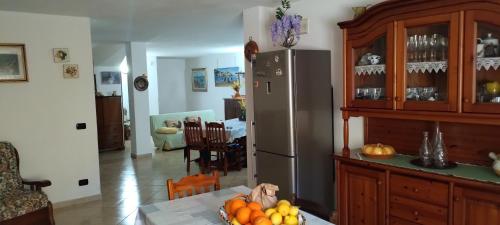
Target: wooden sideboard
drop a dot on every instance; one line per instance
(407, 65)
(110, 131)
(232, 108)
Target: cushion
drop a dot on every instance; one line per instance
(166, 130)
(10, 179)
(18, 203)
(173, 123)
(191, 119)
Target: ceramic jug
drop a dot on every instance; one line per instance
(496, 163)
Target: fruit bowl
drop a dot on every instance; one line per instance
(378, 151)
(224, 217)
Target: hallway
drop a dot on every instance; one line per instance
(127, 184)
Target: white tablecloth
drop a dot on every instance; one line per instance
(197, 210)
(235, 129)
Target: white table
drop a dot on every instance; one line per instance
(197, 210)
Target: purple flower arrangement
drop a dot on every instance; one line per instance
(285, 30)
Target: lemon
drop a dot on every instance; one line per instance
(283, 202)
(284, 209)
(270, 212)
(294, 211)
(276, 218)
(235, 222)
(291, 220)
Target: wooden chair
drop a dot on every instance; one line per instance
(193, 133)
(217, 141)
(200, 183)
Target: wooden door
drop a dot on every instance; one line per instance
(427, 63)
(476, 207)
(482, 62)
(369, 68)
(362, 196)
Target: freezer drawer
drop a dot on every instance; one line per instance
(278, 170)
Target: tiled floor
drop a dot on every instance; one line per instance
(127, 184)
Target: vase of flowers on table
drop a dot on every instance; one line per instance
(285, 30)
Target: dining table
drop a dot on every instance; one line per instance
(199, 209)
(234, 129)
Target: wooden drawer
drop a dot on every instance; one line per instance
(397, 221)
(418, 212)
(424, 190)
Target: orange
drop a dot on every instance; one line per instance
(255, 214)
(235, 205)
(243, 215)
(262, 221)
(227, 205)
(254, 206)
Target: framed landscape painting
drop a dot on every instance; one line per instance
(225, 77)
(108, 77)
(13, 63)
(199, 77)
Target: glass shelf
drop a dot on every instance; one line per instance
(427, 67)
(488, 63)
(370, 69)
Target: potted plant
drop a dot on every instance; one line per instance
(285, 30)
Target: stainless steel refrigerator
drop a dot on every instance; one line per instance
(293, 124)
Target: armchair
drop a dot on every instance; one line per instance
(19, 205)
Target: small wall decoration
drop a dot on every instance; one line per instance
(225, 77)
(108, 77)
(141, 83)
(71, 71)
(61, 55)
(13, 63)
(199, 80)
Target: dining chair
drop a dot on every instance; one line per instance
(193, 134)
(198, 183)
(217, 141)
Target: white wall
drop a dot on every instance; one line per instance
(39, 116)
(214, 97)
(152, 68)
(171, 85)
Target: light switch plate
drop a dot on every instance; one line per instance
(304, 26)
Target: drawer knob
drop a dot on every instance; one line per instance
(379, 182)
(415, 190)
(415, 213)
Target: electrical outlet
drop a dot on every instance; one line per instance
(304, 26)
(83, 182)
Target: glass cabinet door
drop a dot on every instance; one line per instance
(482, 63)
(427, 69)
(371, 78)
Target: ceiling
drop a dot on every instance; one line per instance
(172, 28)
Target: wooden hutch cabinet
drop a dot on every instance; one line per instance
(408, 65)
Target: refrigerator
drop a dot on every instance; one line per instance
(293, 125)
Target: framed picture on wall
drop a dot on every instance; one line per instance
(13, 63)
(111, 78)
(61, 55)
(199, 80)
(225, 77)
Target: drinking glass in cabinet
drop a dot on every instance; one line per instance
(427, 63)
(370, 70)
(488, 64)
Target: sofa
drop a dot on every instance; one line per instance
(175, 141)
